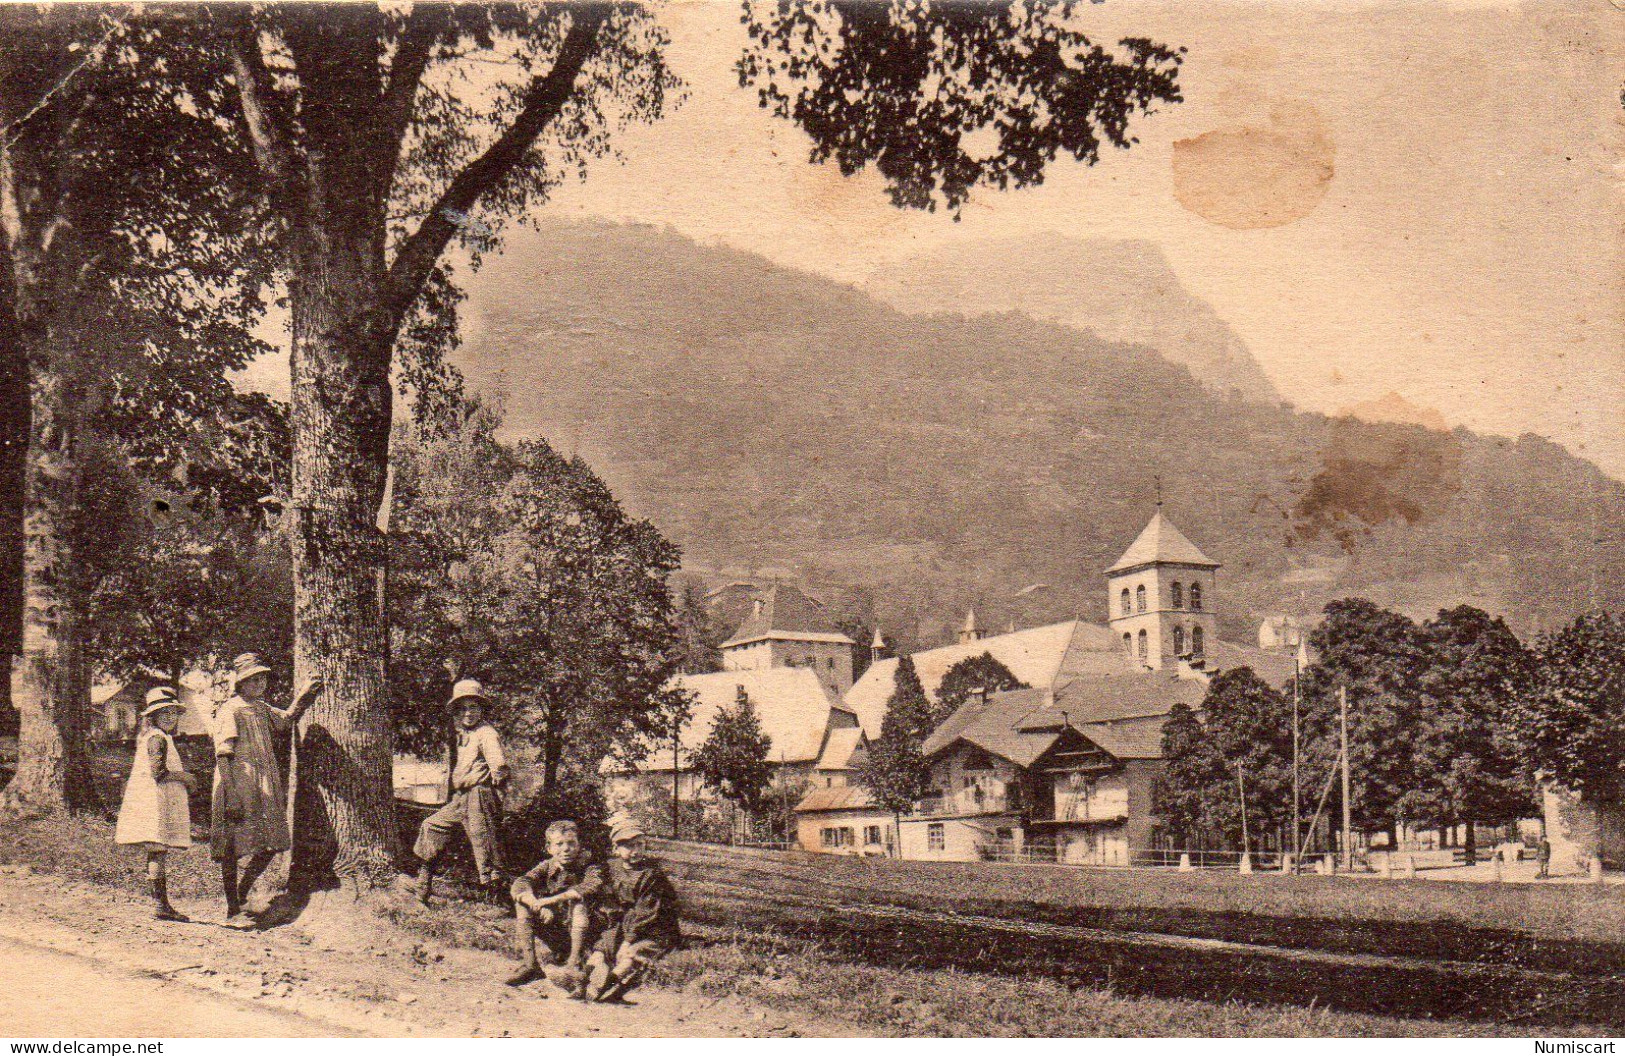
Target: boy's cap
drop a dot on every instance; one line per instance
(623, 829)
(468, 689)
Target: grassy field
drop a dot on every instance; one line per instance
(798, 976)
(1575, 927)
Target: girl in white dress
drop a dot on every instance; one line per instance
(155, 813)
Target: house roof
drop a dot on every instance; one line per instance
(839, 797)
(839, 748)
(791, 704)
(1161, 542)
(785, 612)
(1133, 739)
(1036, 656)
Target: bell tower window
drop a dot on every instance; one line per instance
(1127, 606)
(1139, 598)
(1179, 641)
(1145, 646)
(1196, 597)
(1196, 641)
(1178, 595)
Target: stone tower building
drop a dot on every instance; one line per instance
(1161, 597)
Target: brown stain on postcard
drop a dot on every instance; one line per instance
(1257, 174)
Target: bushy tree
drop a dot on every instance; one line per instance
(733, 760)
(1468, 770)
(1243, 739)
(517, 566)
(1381, 658)
(1570, 720)
(982, 672)
(895, 770)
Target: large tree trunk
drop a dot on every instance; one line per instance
(51, 683)
(344, 816)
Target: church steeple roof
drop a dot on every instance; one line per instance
(1161, 543)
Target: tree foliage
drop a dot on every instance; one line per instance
(1468, 768)
(515, 565)
(896, 772)
(983, 672)
(1239, 742)
(734, 757)
(1570, 721)
(944, 97)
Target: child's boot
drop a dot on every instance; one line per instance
(163, 910)
(525, 938)
(425, 882)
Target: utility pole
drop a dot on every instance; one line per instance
(1348, 829)
(676, 735)
(1241, 787)
(1297, 679)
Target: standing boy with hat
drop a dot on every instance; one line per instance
(249, 809)
(479, 770)
(155, 813)
(640, 907)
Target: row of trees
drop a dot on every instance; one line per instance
(169, 170)
(1451, 722)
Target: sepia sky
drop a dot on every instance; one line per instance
(1378, 197)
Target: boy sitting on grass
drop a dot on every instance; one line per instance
(552, 905)
(639, 908)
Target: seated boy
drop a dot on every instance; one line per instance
(552, 904)
(639, 909)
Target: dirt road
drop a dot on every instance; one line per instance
(67, 948)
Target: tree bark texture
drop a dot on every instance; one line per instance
(344, 818)
(51, 678)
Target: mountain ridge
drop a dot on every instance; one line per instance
(766, 417)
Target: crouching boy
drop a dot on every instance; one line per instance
(552, 906)
(639, 909)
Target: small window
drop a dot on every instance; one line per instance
(1196, 597)
(871, 835)
(846, 837)
(1179, 641)
(829, 662)
(826, 838)
(1127, 605)
(935, 838)
(1178, 592)
(1128, 643)
(1139, 598)
(1145, 646)
(1196, 641)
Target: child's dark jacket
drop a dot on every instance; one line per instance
(641, 903)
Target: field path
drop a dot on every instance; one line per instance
(66, 946)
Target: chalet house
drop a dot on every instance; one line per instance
(1063, 771)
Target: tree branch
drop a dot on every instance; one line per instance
(424, 27)
(265, 123)
(543, 102)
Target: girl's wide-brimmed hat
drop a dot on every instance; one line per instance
(247, 666)
(159, 698)
(468, 689)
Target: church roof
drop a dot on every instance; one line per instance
(786, 613)
(1161, 542)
